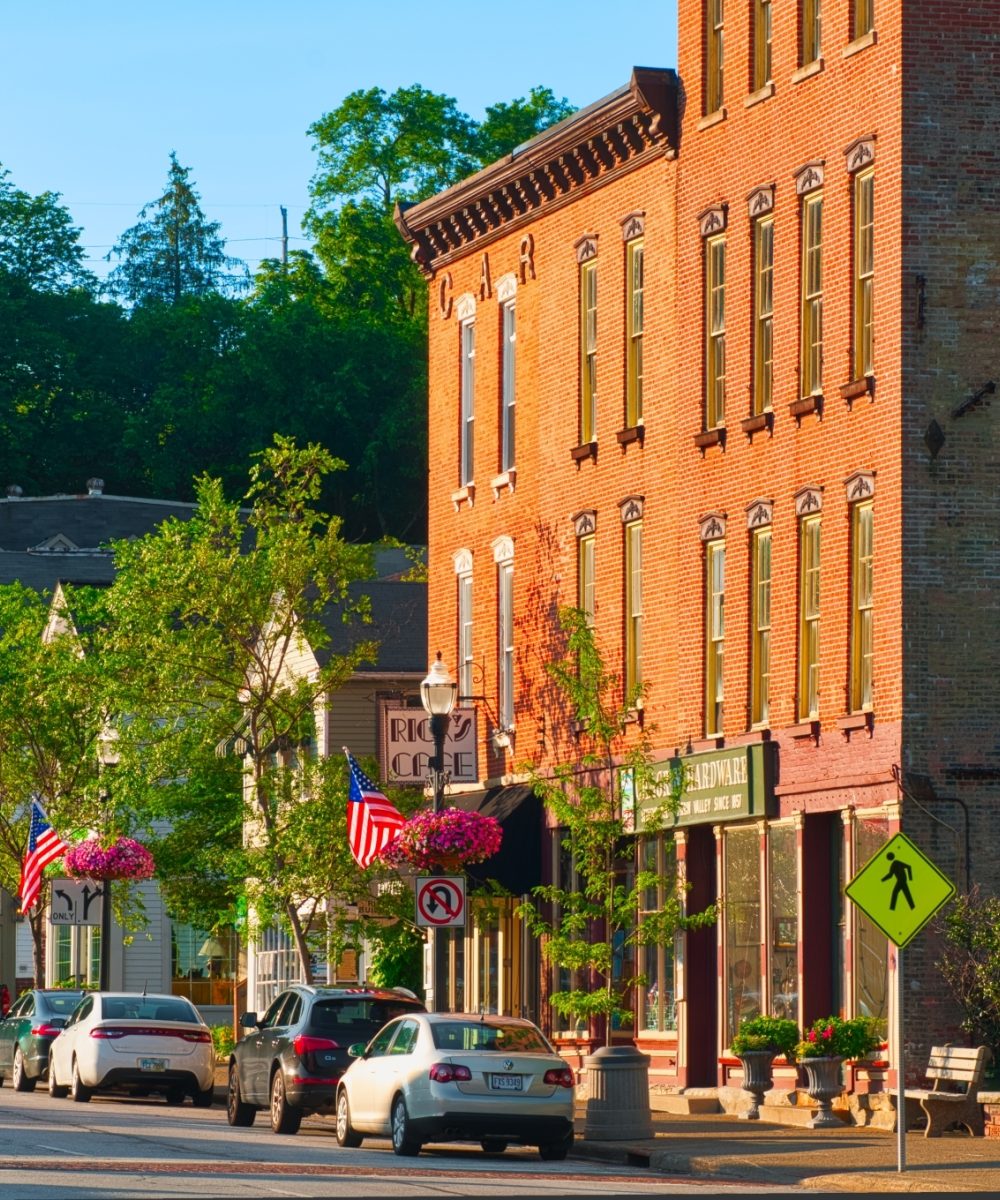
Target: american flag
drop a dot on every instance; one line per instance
(372, 822)
(44, 846)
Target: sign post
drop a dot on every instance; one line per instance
(900, 889)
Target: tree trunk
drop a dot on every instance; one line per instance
(301, 945)
(36, 923)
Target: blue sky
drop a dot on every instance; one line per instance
(94, 94)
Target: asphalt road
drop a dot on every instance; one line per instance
(141, 1148)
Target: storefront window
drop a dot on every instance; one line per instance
(784, 922)
(76, 954)
(871, 947)
(566, 877)
(742, 926)
(202, 964)
(657, 1003)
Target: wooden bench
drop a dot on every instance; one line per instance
(960, 1069)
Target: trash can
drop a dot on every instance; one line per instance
(617, 1095)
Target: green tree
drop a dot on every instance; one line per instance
(507, 125)
(173, 251)
(585, 929)
(54, 699)
(215, 615)
(39, 243)
(970, 964)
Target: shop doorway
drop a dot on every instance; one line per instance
(702, 962)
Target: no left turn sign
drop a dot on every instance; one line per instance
(441, 901)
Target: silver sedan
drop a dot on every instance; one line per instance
(444, 1077)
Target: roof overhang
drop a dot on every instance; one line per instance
(631, 126)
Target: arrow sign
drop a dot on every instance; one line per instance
(441, 901)
(76, 902)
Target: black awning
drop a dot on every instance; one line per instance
(517, 865)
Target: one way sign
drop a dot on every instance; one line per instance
(76, 902)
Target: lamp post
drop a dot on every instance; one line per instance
(437, 694)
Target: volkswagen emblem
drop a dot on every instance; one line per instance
(508, 1064)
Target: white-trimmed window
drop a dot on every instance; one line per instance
(715, 634)
(810, 536)
(812, 30)
(588, 352)
(468, 347)
(760, 662)
(633, 607)
(586, 578)
(715, 59)
(505, 641)
(862, 642)
(635, 317)
(763, 315)
(657, 1001)
(761, 44)
(508, 384)
(864, 273)
(863, 18)
(465, 659)
(811, 367)
(715, 332)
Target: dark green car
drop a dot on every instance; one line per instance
(27, 1032)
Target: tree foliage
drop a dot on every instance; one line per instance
(39, 244)
(173, 251)
(585, 928)
(970, 964)
(54, 702)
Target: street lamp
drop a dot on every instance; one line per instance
(437, 694)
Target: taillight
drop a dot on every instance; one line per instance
(450, 1073)
(560, 1077)
(112, 1032)
(196, 1035)
(104, 1033)
(304, 1044)
(45, 1031)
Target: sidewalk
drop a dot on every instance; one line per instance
(845, 1160)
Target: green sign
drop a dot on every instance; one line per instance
(718, 786)
(900, 889)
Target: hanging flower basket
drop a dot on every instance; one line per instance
(446, 840)
(125, 858)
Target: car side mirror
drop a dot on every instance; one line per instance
(357, 1050)
(248, 1020)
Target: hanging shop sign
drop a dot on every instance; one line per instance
(717, 786)
(407, 745)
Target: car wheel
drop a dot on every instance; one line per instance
(174, 1096)
(237, 1112)
(78, 1091)
(284, 1118)
(204, 1099)
(403, 1142)
(555, 1151)
(19, 1077)
(494, 1145)
(345, 1130)
(56, 1091)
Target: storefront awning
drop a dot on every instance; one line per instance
(517, 866)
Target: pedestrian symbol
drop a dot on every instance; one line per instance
(900, 889)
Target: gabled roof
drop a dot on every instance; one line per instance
(633, 125)
(88, 522)
(399, 625)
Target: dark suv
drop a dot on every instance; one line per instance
(291, 1059)
(27, 1032)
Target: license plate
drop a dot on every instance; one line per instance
(506, 1083)
(152, 1064)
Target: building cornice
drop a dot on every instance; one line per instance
(628, 128)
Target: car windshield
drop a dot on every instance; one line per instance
(488, 1035)
(148, 1008)
(60, 1004)
(356, 1018)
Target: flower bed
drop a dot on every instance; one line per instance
(450, 838)
(125, 858)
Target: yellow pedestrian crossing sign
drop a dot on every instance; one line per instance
(900, 889)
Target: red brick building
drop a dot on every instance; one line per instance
(712, 358)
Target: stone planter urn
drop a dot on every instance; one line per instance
(617, 1095)
(757, 1079)
(824, 1085)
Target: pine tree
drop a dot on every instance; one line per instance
(173, 251)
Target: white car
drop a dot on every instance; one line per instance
(145, 1044)
(443, 1077)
